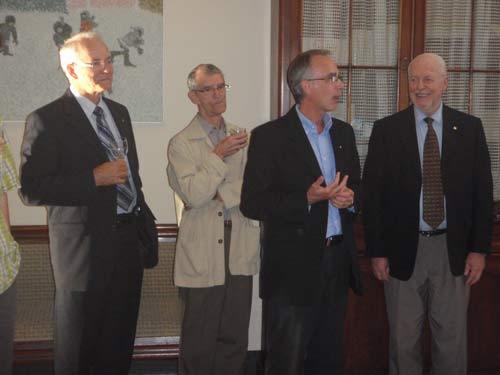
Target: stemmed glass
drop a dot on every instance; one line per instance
(235, 131)
(120, 150)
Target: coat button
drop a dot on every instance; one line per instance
(220, 240)
(219, 213)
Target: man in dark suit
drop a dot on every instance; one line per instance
(427, 192)
(301, 181)
(102, 233)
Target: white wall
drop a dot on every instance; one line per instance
(232, 34)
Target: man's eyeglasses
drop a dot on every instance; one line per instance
(214, 88)
(330, 78)
(96, 63)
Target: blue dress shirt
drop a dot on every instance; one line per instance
(323, 150)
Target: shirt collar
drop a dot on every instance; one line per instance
(310, 127)
(87, 105)
(436, 116)
(209, 128)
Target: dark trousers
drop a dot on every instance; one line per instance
(7, 319)
(214, 337)
(111, 310)
(309, 339)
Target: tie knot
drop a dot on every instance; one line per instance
(98, 112)
(428, 120)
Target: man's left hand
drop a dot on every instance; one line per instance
(474, 266)
(343, 198)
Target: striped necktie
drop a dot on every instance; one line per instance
(125, 194)
(433, 205)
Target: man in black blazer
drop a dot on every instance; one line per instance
(301, 180)
(101, 230)
(427, 191)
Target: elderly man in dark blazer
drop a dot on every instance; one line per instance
(427, 192)
(301, 181)
(102, 233)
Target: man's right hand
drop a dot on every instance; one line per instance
(231, 145)
(111, 173)
(380, 268)
(317, 193)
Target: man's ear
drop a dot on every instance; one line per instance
(192, 96)
(70, 68)
(305, 87)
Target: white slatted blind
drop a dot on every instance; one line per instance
(372, 67)
(467, 35)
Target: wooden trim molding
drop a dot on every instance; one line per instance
(358, 329)
(40, 233)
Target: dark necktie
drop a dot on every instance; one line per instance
(125, 194)
(432, 183)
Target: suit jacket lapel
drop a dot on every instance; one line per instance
(337, 148)
(300, 142)
(80, 122)
(411, 143)
(451, 129)
(118, 117)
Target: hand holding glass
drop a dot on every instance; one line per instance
(119, 151)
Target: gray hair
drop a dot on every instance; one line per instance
(298, 69)
(438, 60)
(68, 54)
(209, 69)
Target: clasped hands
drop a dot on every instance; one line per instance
(336, 192)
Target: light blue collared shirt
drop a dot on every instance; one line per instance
(421, 125)
(88, 108)
(323, 150)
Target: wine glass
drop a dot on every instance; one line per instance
(236, 131)
(120, 149)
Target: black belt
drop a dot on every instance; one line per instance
(334, 240)
(228, 223)
(430, 233)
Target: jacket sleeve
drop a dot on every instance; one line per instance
(372, 198)
(261, 197)
(482, 220)
(354, 168)
(43, 182)
(195, 184)
(230, 191)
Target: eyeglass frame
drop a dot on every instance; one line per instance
(209, 89)
(330, 78)
(95, 64)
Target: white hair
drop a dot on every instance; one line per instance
(438, 60)
(68, 54)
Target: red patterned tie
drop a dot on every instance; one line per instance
(432, 182)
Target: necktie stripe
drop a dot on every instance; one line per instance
(124, 192)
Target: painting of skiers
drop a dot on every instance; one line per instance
(32, 32)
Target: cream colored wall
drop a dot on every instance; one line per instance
(233, 34)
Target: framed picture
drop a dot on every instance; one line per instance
(32, 31)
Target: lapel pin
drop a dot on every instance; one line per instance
(454, 127)
(340, 147)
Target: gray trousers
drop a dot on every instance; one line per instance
(214, 337)
(7, 319)
(67, 331)
(432, 292)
